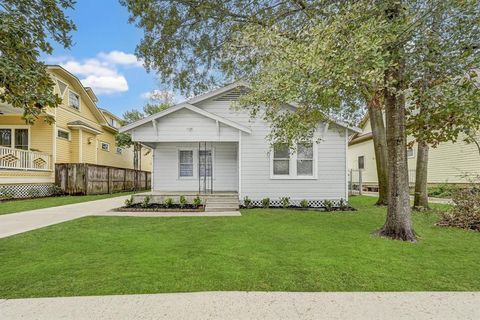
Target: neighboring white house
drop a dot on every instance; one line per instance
(204, 145)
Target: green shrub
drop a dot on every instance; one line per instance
(442, 190)
(146, 202)
(197, 202)
(55, 190)
(182, 202)
(304, 204)
(129, 202)
(33, 193)
(328, 205)
(343, 205)
(168, 202)
(266, 202)
(247, 202)
(285, 201)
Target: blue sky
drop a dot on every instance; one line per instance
(102, 56)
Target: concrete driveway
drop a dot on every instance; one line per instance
(252, 305)
(15, 223)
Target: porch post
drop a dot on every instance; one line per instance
(240, 164)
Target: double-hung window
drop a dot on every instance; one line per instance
(305, 159)
(293, 164)
(185, 163)
(281, 159)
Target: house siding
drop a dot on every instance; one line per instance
(225, 167)
(448, 162)
(256, 180)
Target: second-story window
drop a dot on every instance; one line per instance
(74, 100)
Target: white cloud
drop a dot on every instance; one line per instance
(120, 57)
(106, 84)
(100, 73)
(162, 95)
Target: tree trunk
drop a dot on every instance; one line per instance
(420, 201)
(380, 146)
(398, 224)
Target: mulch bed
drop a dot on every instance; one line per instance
(154, 207)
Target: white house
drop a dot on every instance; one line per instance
(205, 146)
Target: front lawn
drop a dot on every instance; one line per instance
(266, 250)
(40, 203)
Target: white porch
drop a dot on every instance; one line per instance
(19, 159)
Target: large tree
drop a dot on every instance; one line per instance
(331, 57)
(28, 28)
(444, 95)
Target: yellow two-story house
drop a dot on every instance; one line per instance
(81, 133)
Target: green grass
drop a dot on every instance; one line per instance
(40, 203)
(277, 250)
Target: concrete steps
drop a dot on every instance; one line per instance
(222, 203)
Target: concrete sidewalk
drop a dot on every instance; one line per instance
(251, 305)
(15, 223)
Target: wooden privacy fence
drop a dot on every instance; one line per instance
(85, 178)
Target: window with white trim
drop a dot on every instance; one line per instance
(185, 163)
(73, 100)
(17, 138)
(62, 86)
(305, 159)
(281, 159)
(63, 134)
(105, 146)
(293, 164)
(119, 150)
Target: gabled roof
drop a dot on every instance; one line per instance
(242, 83)
(188, 107)
(212, 94)
(83, 125)
(88, 92)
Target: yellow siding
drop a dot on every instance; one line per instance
(447, 163)
(89, 148)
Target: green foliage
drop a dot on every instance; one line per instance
(285, 201)
(343, 205)
(55, 190)
(33, 193)
(27, 28)
(443, 190)
(247, 202)
(129, 202)
(328, 205)
(266, 203)
(146, 202)
(182, 202)
(168, 202)
(304, 204)
(197, 201)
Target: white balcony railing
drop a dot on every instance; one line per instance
(18, 159)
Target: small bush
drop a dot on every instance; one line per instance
(182, 202)
(247, 202)
(33, 193)
(443, 190)
(146, 202)
(197, 202)
(328, 205)
(343, 206)
(285, 201)
(465, 213)
(56, 191)
(266, 203)
(168, 202)
(304, 204)
(129, 202)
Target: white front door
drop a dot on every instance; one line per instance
(205, 170)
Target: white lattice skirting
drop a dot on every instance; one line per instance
(296, 203)
(17, 191)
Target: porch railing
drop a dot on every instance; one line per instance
(18, 159)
